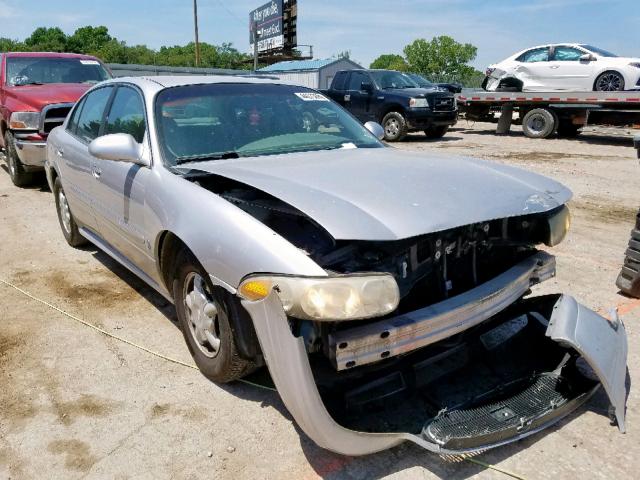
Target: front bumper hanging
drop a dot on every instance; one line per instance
(603, 344)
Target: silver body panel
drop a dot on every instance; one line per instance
(402, 334)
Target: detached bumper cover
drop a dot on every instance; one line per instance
(602, 344)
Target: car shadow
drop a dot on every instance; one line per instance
(39, 181)
(258, 387)
(587, 137)
(421, 138)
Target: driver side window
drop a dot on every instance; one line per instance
(126, 114)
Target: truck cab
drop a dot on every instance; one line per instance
(395, 101)
(37, 91)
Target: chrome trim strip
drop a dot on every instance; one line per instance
(405, 333)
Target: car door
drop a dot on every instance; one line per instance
(73, 157)
(359, 99)
(569, 72)
(532, 67)
(120, 187)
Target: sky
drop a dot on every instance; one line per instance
(367, 28)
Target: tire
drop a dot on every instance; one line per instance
(436, 132)
(609, 82)
(539, 123)
(509, 85)
(395, 127)
(67, 222)
(19, 177)
(203, 313)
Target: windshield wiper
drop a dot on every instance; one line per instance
(207, 157)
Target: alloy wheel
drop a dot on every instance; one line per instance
(610, 82)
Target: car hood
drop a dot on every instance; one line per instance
(385, 194)
(38, 96)
(411, 92)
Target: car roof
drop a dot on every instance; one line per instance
(49, 55)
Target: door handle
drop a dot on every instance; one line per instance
(59, 152)
(347, 98)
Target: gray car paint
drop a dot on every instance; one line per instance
(386, 194)
(145, 202)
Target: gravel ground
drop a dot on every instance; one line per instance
(77, 404)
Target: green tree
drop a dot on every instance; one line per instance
(390, 61)
(9, 45)
(441, 57)
(47, 39)
(88, 40)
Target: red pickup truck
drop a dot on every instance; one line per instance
(37, 91)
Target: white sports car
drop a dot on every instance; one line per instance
(566, 66)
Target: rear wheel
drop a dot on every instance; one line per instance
(19, 176)
(436, 132)
(609, 82)
(395, 127)
(539, 123)
(67, 222)
(204, 315)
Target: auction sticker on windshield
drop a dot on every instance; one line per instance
(89, 62)
(312, 97)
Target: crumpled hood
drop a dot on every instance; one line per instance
(38, 96)
(386, 194)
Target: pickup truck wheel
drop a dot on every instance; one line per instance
(395, 127)
(19, 177)
(539, 123)
(203, 312)
(436, 132)
(65, 217)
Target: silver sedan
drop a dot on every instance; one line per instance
(388, 293)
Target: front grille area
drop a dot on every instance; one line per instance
(444, 104)
(547, 398)
(53, 116)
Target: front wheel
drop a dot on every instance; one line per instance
(19, 176)
(395, 127)
(609, 82)
(204, 315)
(67, 222)
(436, 132)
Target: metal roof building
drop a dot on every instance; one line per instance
(310, 73)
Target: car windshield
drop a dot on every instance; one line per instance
(389, 79)
(599, 51)
(230, 120)
(41, 70)
(420, 80)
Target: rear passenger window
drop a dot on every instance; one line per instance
(90, 119)
(126, 114)
(72, 124)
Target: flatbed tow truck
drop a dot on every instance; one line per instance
(544, 114)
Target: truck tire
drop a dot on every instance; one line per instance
(19, 177)
(395, 127)
(68, 224)
(539, 123)
(628, 280)
(204, 315)
(436, 132)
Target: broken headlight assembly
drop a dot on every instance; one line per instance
(24, 121)
(333, 298)
(558, 224)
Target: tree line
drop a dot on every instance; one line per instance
(98, 42)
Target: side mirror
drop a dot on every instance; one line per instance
(636, 144)
(376, 129)
(119, 147)
(587, 57)
(366, 87)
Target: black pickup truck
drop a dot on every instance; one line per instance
(395, 101)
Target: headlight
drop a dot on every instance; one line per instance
(635, 64)
(24, 121)
(419, 103)
(342, 297)
(558, 225)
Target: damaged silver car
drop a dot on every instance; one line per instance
(388, 293)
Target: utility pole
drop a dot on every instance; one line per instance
(195, 22)
(255, 46)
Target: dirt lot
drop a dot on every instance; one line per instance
(77, 404)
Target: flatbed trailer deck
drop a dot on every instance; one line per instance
(544, 114)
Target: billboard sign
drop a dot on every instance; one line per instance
(268, 20)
